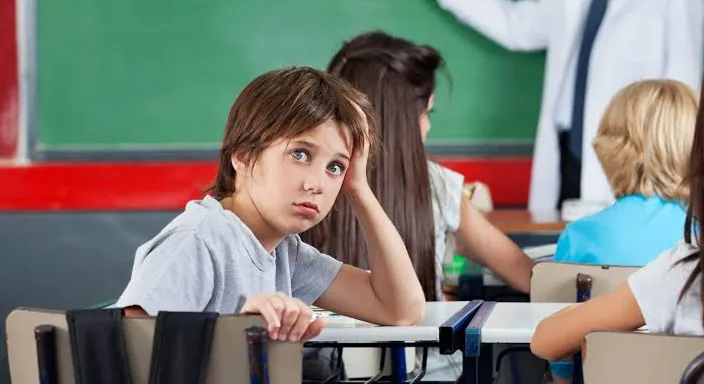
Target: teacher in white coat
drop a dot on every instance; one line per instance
(594, 48)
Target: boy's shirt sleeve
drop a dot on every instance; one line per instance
(176, 275)
(312, 273)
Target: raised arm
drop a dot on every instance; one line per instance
(479, 240)
(685, 29)
(390, 293)
(517, 26)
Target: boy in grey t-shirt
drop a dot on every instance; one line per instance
(295, 138)
(206, 258)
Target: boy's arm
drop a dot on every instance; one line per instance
(390, 293)
(684, 42)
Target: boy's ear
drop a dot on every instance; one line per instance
(238, 161)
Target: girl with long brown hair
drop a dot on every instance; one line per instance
(424, 200)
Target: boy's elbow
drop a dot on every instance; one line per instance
(410, 314)
(537, 347)
(543, 346)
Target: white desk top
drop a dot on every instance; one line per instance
(347, 330)
(516, 322)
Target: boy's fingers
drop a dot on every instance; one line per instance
(313, 330)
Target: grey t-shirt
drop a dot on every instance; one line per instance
(657, 288)
(207, 257)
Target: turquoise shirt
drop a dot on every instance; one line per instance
(632, 232)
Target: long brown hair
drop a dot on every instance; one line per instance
(692, 227)
(285, 103)
(398, 77)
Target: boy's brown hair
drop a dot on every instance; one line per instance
(284, 103)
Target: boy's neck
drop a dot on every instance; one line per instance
(248, 214)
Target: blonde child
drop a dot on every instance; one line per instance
(666, 294)
(643, 143)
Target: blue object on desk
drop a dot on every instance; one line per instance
(451, 336)
(473, 333)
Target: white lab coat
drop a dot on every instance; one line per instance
(638, 39)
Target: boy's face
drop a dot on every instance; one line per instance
(294, 183)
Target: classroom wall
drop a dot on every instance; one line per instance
(126, 76)
(9, 84)
(119, 85)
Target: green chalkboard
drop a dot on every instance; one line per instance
(162, 74)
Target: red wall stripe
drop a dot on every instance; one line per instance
(508, 179)
(169, 185)
(9, 92)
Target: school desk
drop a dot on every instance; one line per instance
(528, 229)
(499, 323)
(517, 221)
(443, 326)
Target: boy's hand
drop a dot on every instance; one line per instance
(356, 176)
(287, 318)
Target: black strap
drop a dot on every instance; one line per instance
(181, 350)
(98, 346)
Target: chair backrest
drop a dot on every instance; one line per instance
(554, 282)
(637, 357)
(228, 358)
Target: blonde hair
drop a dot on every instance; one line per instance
(645, 139)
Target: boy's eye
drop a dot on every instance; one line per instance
(299, 155)
(335, 168)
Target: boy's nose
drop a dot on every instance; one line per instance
(313, 185)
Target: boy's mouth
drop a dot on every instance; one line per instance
(308, 208)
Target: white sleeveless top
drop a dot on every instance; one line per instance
(446, 193)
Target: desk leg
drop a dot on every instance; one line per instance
(485, 365)
(398, 365)
(469, 370)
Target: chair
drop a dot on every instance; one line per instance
(637, 357)
(228, 355)
(553, 282)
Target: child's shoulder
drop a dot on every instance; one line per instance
(437, 171)
(446, 183)
(209, 221)
(622, 209)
